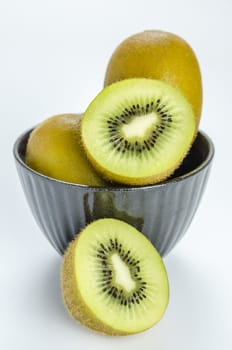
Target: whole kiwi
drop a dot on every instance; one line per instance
(159, 55)
(55, 149)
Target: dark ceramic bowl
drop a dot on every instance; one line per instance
(162, 212)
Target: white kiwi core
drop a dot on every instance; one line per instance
(140, 125)
(122, 273)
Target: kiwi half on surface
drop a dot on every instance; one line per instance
(143, 128)
(113, 279)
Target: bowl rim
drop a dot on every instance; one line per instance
(118, 187)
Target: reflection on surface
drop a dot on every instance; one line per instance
(104, 207)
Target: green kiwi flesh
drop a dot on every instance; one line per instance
(113, 279)
(138, 131)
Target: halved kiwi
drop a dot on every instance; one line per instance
(113, 279)
(138, 131)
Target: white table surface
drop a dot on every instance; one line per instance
(53, 56)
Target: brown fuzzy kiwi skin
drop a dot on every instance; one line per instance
(73, 301)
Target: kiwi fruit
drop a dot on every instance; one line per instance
(54, 149)
(113, 280)
(159, 55)
(143, 128)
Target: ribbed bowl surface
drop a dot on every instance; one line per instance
(163, 212)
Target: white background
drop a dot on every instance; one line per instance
(53, 56)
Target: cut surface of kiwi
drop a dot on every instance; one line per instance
(113, 279)
(143, 128)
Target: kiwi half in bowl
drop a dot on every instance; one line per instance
(113, 279)
(138, 131)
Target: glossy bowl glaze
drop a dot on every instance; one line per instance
(163, 212)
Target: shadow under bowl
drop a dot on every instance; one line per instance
(163, 212)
